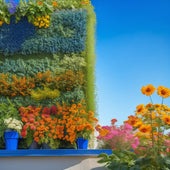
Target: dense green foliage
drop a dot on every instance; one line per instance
(127, 160)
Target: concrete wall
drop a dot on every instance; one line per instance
(51, 163)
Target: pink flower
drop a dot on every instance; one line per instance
(32, 128)
(134, 146)
(128, 127)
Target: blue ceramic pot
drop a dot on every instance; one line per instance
(82, 143)
(11, 139)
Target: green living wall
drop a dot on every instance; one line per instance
(66, 46)
(49, 64)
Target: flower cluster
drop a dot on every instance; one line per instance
(23, 86)
(42, 21)
(119, 138)
(51, 125)
(13, 5)
(85, 2)
(35, 10)
(151, 120)
(13, 124)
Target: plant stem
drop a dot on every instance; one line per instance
(151, 99)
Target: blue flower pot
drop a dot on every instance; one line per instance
(11, 140)
(82, 143)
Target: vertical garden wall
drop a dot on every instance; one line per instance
(47, 56)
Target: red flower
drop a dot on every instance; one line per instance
(40, 3)
(32, 120)
(23, 133)
(32, 128)
(113, 121)
(46, 110)
(53, 109)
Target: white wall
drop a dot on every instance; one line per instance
(50, 163)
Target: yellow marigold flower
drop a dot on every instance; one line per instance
(148, 90)
(140, 134)
(163, 91)
(145, 128)
(103, 132)
(166, 119)
(157, 106)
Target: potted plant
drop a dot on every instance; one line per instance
(39, 127)
(10, 125)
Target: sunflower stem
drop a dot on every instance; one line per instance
(151, 99)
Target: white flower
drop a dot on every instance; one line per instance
(13, 124)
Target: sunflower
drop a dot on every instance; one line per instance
(166, 119)
(132, 120)
(163, 91)
(138, 124)
(149, 105)
(148, 90)
(145, 128)
(140, 109)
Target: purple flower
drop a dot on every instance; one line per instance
(13, 6)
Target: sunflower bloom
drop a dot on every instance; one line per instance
(163, 91)
(140, 109)
(166, 119)
(145, 128)
(148, 90)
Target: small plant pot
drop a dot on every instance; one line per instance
(45, 146)
(11, 139)
(34, 145)
(82, 143)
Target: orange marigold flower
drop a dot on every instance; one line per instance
(145, 128)
(103, 132)
(85, 2)
(36, 133)
(166, 119)
(163, 91)
(55, 4)
(98, 127)
(148, 90)
(36, 139)
(50, 135)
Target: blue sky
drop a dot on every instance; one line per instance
(133, 50)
